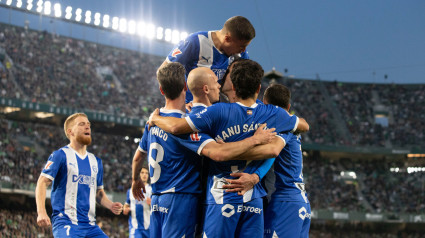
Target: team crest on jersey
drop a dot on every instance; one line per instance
(94, 168)
(249, 112)
(176, 52)
(49, 163)
(195, 136)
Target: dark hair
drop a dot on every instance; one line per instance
(240, 28)
(228, 69)
(246, 77)
(171, 78)
(278, 95)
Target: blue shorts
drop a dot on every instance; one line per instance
(287, 219)
(71, 230)
(139, 233)
(173, 215)
(234, 220)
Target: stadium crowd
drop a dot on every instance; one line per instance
(122, 82)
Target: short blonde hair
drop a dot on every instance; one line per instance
(70, 120)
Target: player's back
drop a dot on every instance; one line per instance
(173, 168)
(288, 171)
(235, 122)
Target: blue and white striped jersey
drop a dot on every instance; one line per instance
(198, 50)
(172, 167)
(140, 210)
(76, 179)
(288, 171)
(234, 122)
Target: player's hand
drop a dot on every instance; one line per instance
(116, 208)
(242, 184)
(43, 220)
(189, 106)
(152, 117)
(262, 136)
(136, 189)
(148, 201)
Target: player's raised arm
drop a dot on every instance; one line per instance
(137, 184)
(43, 219)
(172, 125)
(229, 151)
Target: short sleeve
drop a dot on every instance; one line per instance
(99, 174)
(53, 165)
(127, 201)
(285, 122)
(203, 120)
(195, 141)
(143, 144)
(184, 51)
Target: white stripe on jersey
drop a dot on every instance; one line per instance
(206, 52)
(133, 215)
(93, 189)
(71, 187)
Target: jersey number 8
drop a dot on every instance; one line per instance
(154, 163)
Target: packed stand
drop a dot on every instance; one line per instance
(64, 72)
(308, 102)
(406, 111)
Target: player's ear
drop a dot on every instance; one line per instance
(289, 106)
(227, 38)
(259, 88)
(185, 87)
(206, 89)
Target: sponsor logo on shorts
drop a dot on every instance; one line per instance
(303, 214)
(228, 210)
(157, 208)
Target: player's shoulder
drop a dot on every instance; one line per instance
(59, 154)
(194, 37)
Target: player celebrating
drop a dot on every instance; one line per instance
(175, 169)
(138, 222)
(214, 49)
(77, 177)
(290, 195)
(231, 215)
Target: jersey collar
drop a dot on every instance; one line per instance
(197, 104)
(80, 156)
(252, 106)
(163, 110)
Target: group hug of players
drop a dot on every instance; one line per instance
(206, 158)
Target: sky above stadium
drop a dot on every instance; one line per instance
(349, 41)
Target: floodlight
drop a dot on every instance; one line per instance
(9, 2)
(68, 12)
(29, 5)
(106, 21)
(97, 18)
(123, 25)
(88, 17)
(159, 33)
(78, 14)
(19, 3)
(175, 36)
(115, 23)
(168, 35)
(47, 8)
(183, 35)
(40, 6)
(132, 27)
(57, 9)
(141, 28)
(150, 31)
